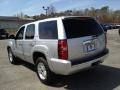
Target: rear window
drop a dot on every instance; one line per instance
(48, 30)
(76, 27)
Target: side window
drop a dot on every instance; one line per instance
(30, 31)
(20, 33)
(48, 30)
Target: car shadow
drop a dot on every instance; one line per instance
(99, 78)
(26, 64)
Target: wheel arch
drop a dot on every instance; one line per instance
(37, 54)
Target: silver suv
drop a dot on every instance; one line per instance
(62, 45)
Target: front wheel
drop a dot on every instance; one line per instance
(43, 71)
(11, 57)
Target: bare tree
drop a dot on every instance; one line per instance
(22, 15)
(103, 14)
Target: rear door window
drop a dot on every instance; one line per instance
(30, 31)
(76, 27)
(48, 30)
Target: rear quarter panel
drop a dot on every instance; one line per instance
(48, 47)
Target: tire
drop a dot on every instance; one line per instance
(43, 72)
(119, 31)
(12, 58)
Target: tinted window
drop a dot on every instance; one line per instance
(81, 27)
(48, 30)
(2, 31)
(30, 31)
(20, 33)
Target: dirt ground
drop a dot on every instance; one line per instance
(103, 77)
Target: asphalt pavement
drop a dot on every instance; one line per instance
(104, 77)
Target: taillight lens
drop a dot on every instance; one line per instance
(62, 49)
(105, 40)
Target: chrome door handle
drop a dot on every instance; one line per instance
(31, 44)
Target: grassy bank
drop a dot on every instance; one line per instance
(11, 31)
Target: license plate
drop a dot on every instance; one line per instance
(89, 46)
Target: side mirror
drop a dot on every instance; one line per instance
(105, 29)
(11, 37)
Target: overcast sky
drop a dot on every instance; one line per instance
(34, 7)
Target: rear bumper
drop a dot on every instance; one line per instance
(66, 67)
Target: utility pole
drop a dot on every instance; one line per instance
(46, 9)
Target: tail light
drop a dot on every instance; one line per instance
(105, 40)
(62, 49)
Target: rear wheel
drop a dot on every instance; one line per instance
(43, 71)
(119, 31)
(11, 57)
